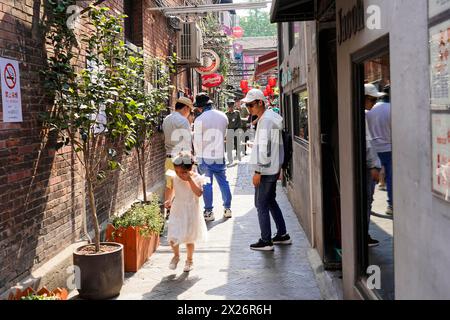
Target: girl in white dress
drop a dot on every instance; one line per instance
(186, 223)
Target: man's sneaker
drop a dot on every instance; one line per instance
(373, 242)
(227, 214)
(262, 246)
(208, 215)
(390, 211)
(286, 239)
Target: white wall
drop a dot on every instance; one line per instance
(422, 221)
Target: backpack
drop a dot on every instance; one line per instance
(288, 150)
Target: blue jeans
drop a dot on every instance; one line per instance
(370, 192)
(386, 162)
(218, 170)
(265, 202)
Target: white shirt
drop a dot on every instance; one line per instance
(379, 123)
(209, 135)
(268, 152)
(177, 134)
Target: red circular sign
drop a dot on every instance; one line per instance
(10, 76)
(212, 80)
(238, 32)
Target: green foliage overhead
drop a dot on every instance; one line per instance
(257, 24)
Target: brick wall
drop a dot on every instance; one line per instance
(41, 197)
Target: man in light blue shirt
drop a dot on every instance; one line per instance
(378, 117)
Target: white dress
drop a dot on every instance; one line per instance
(186, 223)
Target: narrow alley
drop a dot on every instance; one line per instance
(225, 267)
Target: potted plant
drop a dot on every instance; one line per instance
(42, 294)
(138, 231)
(94, 117)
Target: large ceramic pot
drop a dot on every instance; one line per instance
(100, 275)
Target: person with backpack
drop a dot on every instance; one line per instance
(268, 159)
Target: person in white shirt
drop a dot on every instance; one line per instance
(267, 157)
(209, 145)
(378, 115)
(177, 136)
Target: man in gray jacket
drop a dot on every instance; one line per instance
(267, 158)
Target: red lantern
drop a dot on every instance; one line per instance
(272, 82)
(244, 84)
(265, 93)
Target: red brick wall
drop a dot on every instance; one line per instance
(41, 198)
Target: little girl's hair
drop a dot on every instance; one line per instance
(184, 160)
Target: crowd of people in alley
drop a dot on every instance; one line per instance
(199, 142)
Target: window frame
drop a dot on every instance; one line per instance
(296, 117)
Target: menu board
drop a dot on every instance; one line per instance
(440, 66)
(441, 153)
(436, 7)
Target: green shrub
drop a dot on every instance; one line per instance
(39, 297)
(147, 216)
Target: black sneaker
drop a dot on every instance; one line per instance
(286, 239)
(262, 246)
(373, 242)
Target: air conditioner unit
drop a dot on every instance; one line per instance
(190, 44)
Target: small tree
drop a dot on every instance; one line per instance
(157, 72)
(94, 115)
(146, 103)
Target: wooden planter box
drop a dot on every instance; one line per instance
(136, 248)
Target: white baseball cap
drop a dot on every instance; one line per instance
(253, 95)
(371, 90)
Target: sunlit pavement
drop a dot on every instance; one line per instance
(225, 267)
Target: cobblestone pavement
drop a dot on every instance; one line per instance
(225, 267)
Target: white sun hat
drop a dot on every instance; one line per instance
(253, 95)
(371, 90)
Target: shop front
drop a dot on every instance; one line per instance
(396, 47)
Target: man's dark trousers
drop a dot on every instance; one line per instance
(265, 202)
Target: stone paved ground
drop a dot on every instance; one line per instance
(225, 267)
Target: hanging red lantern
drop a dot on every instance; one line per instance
(272, 82)
(265, 93)
(244, 84)
(268, 88)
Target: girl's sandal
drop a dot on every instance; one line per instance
(188, 266)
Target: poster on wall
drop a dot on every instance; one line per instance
(11, 95)
(439, 66)
(441, 153)
(436, 7)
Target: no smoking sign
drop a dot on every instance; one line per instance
(10, 90)
(10, 76)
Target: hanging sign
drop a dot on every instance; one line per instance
(211, 62)
(212, 80)
(11, 94)
(238, 32)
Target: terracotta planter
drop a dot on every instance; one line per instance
(100, 275)
(58, 293)
(137, 248)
